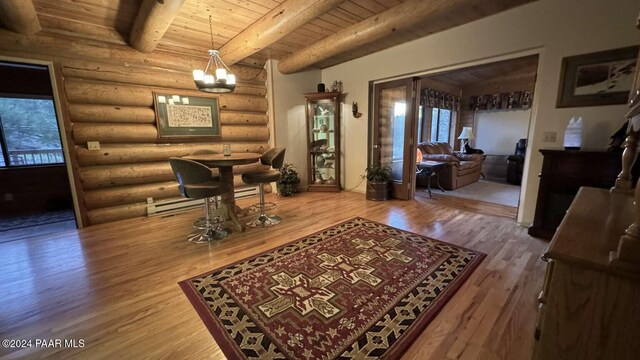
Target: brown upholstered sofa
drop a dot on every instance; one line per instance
(463, 169)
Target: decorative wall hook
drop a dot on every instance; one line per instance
(354, 109)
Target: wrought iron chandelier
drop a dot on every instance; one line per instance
(216, 77)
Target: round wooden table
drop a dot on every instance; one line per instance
(225, 164)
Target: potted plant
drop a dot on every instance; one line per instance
(289, 180)
(377, 181)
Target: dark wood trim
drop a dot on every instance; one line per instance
(71, 144)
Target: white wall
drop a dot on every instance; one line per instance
(497, 132)
(552, 28)
(289, 110)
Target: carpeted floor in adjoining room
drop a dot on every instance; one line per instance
(487, 191)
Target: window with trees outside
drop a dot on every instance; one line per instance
(436, 125)
(29, 133)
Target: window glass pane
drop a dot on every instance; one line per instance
(31, 131)
(434, 125)
(2, 164)
(399, 109)
(444, 125)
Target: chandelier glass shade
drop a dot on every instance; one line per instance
(216, 77)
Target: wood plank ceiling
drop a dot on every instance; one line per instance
(523, 68)
(111, 21)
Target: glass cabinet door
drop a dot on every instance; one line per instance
(323, 135)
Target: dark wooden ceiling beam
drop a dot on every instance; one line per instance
(410, 13)
(278, 23)
(153, 19)
(19, 16)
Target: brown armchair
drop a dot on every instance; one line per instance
(463, 169)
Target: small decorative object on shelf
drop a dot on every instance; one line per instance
(323, 132)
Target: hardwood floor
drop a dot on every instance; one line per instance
(114, 286)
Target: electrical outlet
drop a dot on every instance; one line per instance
(8, 197)
(93, 145)
(549, 136)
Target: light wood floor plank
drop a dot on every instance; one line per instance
(115, 285)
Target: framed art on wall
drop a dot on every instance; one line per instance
(600, 78)
(180, 117)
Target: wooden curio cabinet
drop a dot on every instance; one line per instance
(323, 135)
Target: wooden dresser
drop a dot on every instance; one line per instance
(563, 173)
(588, 308)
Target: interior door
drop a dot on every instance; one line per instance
(394, 128)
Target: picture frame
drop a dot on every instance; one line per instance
(599, 78)
(180, 117)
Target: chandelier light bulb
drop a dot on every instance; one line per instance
(221, 74)
(198, 75)
(231, 79)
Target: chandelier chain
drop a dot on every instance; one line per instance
(211, 31)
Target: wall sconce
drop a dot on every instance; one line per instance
(354, 109)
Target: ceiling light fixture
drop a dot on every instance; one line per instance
(216, 77)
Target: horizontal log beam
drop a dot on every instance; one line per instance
(98, 177)
(408, 14)
(129, 154)
(275, 25)
(146, 133)
(47, 47)
(89, 113)
(153, 19)
(19, 16)
(130, 194)
(128, 211)
(90, 92)
(115, 213)
(111, 114)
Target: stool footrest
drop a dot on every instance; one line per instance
(267, 206)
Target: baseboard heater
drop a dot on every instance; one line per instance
(174, 206)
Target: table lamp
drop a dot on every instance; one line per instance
(465, 136)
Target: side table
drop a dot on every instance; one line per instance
(428, 169)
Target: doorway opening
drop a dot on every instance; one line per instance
(488, 133)
(466, 130)
(35, 190)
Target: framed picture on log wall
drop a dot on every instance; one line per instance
(180, 116)
(601, 78)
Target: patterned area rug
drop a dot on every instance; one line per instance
(356, 290)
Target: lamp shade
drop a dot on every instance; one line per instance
(467, 133)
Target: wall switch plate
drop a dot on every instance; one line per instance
(549, 136)
(93, 145)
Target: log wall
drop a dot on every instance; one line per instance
(106, 90)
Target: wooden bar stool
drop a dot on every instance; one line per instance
(275, 158)
(197, 182)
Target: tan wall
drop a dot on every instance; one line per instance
(106, 90)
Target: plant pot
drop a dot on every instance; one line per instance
(286, 189)
(377, 190)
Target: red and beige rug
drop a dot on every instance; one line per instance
(358, 289)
